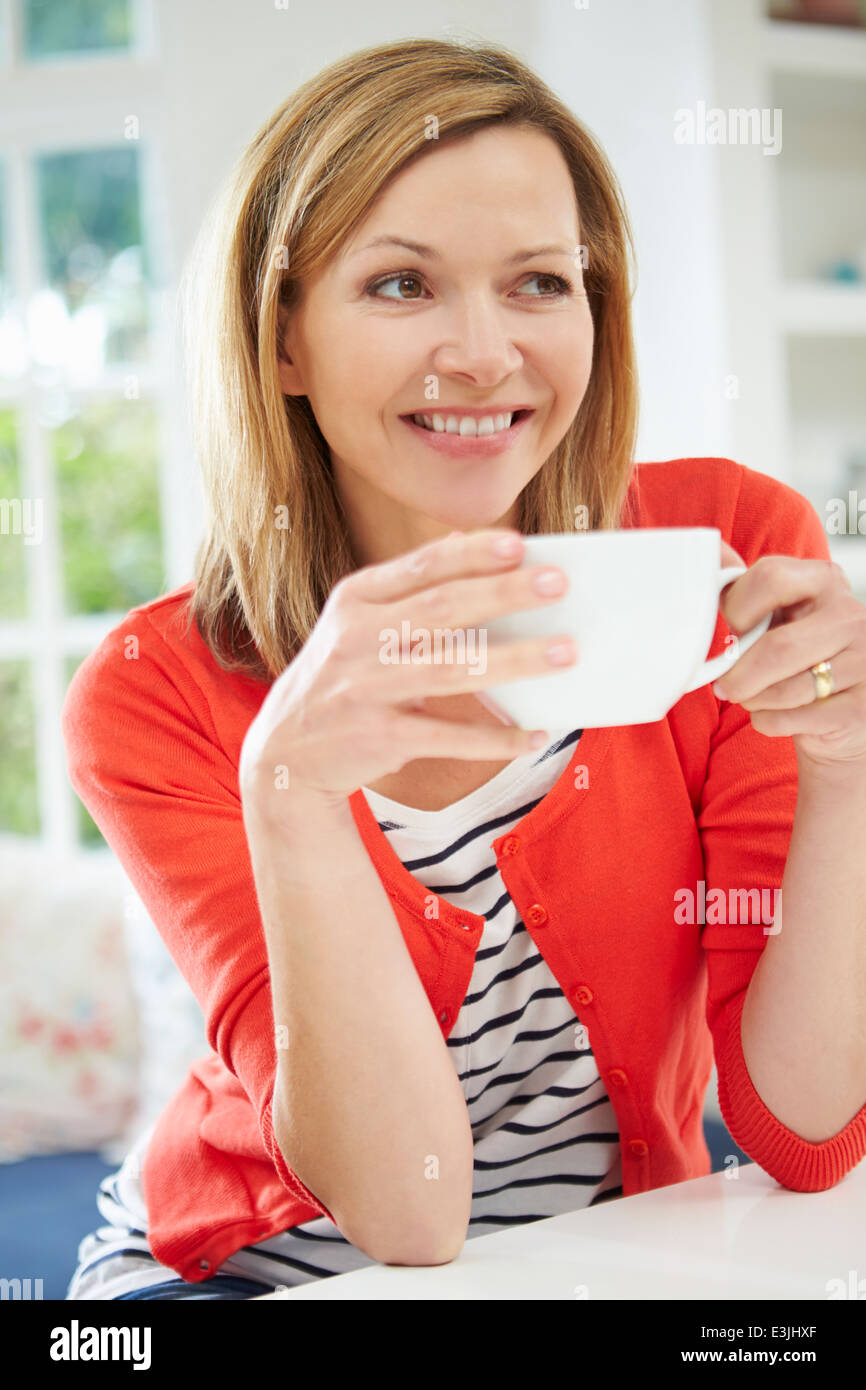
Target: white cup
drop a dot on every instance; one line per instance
(641, 606)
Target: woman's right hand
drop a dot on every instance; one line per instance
(340, 716)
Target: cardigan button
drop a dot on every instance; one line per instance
(618, 1077)
(536, 915)
(510, 845)
(583, 994)
(204, 1264)
(638, 1148)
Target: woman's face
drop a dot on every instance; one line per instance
(464, 322)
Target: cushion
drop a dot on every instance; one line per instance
(68, 1026)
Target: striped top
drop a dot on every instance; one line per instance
(546, 1138)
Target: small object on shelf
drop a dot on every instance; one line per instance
(844, 12)
(843, 271)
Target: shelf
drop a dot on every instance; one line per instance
(822, 309)
(827, 49)
(798, 336)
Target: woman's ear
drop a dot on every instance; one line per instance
(290, 377)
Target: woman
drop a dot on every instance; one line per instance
(442, 998)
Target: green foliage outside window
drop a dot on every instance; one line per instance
(108, 506)
(54, 27)
(89, 834)
(13, 557)
(19, 810)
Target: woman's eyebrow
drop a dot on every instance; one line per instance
(419, 249)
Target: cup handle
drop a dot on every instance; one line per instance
(712, 670)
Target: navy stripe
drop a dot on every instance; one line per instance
(507, 1077)
(529, 1034)
(448, 890)
(300, 1234)
(484, 829)
(554, 1180)
(548, 992)
(220, 1286)
(485, 952)
(489, 1165)
(531, 963)
(315, 1271)
(514, 1127)
(509, 1220)
(497, 907)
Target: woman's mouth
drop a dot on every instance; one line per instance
(468, 437)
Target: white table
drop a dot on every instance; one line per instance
(717, 1237)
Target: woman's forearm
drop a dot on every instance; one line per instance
(368, 1108)
(803, 1024)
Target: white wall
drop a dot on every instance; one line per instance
(225, 65)
(624, 68)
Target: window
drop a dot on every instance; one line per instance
(50, 28)
(88, 405)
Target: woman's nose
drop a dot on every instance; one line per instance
(478, 339)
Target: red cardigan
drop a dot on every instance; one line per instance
(153, 730)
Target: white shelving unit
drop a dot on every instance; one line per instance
(796, 336)
(796, 342)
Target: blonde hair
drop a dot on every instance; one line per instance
(306, 180)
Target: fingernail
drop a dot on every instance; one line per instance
(549, 582)
(560, 653)
(507, 545)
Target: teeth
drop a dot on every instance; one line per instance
(464, 425)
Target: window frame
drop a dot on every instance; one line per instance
(59, 105)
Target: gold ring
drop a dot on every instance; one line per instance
(823, 677)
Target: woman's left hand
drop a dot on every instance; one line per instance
(815, 618)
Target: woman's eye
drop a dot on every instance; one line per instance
(402, 277)
(562, 286)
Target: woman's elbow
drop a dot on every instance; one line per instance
(436, 1249)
